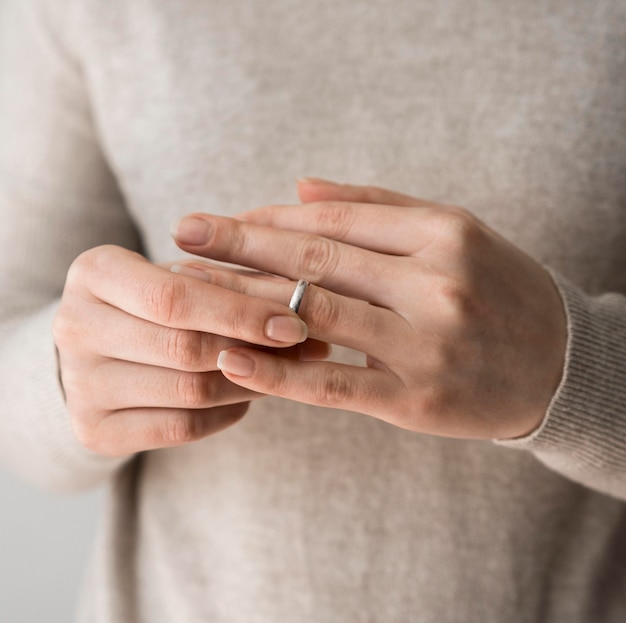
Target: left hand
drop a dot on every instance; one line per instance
(464, 333)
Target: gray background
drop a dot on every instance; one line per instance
(45, 541)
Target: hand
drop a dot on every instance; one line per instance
(464, 333)
(138, 346)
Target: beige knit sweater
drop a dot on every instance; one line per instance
(117, 116)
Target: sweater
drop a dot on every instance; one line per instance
(116, 118)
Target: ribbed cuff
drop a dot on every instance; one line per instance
(585, 425)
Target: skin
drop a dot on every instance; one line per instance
(138, 347)
(464, 334)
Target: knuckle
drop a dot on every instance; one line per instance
(85, 437)
(237, 322)
(318, 257)
(232, 235)
(80, 269)
(87, 430)
(433, 401)
(64, 329)
(192, 390)
(372, 324)
(335, 219)
(76, 272)
(455, 304)
(180, 428)
(334, 388)
(184, 349)
(281, 381)
(83, 434)
(272, 214)
(91, 262)
(166, 300)
(460, 229)
(322, 312)
(429, 407)
(73, 383)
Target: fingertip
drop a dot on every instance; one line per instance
(191, 230)
(286, 329)
(236, 363)
(312, 189)
(174, 227)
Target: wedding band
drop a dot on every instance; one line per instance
(298, 293)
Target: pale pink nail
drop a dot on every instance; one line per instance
(235, 363)
(191, 272)
(191, 230)
(288, 329)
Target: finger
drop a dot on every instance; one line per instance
(387, 229)
(309, 350)
(136, 430)
(236, 279)
(330, 317)
(111, 333)
(114, 335)
(311, 189)
(126, 280)
(325, 384)
(339, 267)
(125, 385)
(197, 269)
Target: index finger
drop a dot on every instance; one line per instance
(340, 267)
(126, 280)
(389, 229)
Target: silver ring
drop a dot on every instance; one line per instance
(298, 294)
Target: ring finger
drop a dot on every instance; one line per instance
(330, 317)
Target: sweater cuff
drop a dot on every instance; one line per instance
(583, 434)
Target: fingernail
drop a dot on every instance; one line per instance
(289, 329)
(191, 230)
(235, 363)
(191, 272)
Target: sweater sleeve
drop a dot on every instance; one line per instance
(583, 435)
(58, 197)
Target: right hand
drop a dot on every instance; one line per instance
(138, 347)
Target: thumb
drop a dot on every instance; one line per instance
(312, 189)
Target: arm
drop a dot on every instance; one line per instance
(583, 435)
(136, 356)
(57, 198)
(466, 338)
